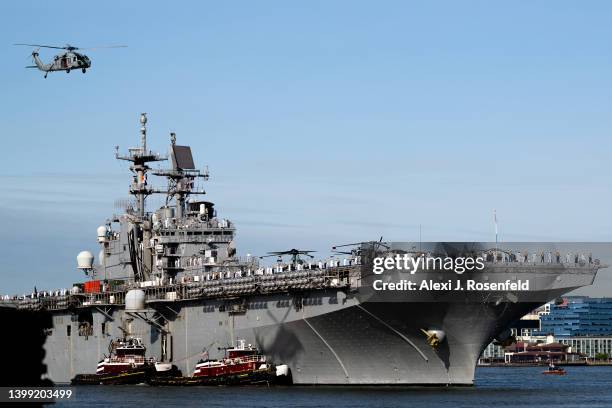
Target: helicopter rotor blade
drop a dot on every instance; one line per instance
(267, 256)
(347, 245)
(291, 252)
(103, 46)
(43, 46)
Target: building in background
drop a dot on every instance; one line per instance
(578, 316)
(581, 324)
(541, 353)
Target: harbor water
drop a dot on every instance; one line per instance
(500, 387)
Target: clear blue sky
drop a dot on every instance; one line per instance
(322, 122)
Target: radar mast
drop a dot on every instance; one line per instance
(181, 177)
(139, 157)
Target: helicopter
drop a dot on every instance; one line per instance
(294, 253)
(357, 246)
(66, 61)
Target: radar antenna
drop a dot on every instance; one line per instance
(181, 177)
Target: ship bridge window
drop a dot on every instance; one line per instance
(68, 330)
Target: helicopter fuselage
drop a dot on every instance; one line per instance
(64, 62)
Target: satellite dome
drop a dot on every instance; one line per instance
(101, 233)
(134, 300)
(85, 260)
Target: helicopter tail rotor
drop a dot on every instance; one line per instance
(33, 54)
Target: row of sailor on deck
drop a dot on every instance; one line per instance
(541, 257)
(36, 294)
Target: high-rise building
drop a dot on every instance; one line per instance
(578, 316)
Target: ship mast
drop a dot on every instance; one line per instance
(181, 177)
(139, 157)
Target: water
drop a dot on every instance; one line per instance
(495, 387)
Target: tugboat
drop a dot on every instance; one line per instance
(238, 360)
(126, 364)
(242, 365)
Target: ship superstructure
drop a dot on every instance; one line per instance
(173, 279)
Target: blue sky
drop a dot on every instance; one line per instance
(321, 122)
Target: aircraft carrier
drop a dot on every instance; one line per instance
(173, 277)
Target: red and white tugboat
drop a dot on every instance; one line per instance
(126, 354)
(126, 364)
(240, 359)
(242, 365)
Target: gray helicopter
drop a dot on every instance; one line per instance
(66, 61)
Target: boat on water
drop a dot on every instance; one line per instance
(126, 364)
(172, 276)
(241, 365)
(554, 370)
(558, 371)
(239, 359)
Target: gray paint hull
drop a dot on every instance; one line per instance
(329, 339)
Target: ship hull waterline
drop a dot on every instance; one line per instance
(330, 339)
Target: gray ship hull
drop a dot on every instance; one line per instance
(329, 339)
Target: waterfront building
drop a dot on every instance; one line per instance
(581, 323)
(592, 347)
(578, 316)
(525, 353)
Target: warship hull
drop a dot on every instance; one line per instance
(325, 337)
